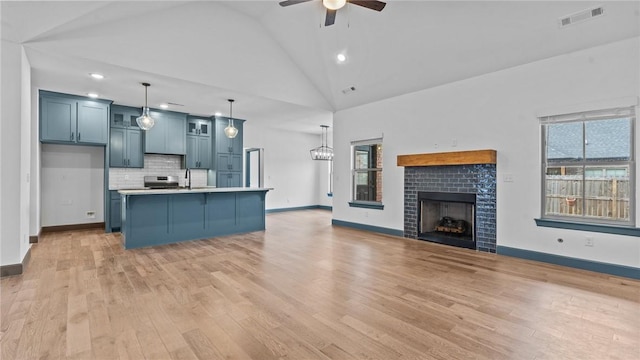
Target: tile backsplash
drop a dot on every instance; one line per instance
(158, 165)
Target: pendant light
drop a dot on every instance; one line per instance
(145, 122)
(322, 152)
(231, 131)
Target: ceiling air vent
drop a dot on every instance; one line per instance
(581, 16)
(349, 90)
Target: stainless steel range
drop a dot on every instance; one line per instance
(161, 182)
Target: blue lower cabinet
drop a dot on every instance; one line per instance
(115, 211)
(229, 179)
(146, 220)
(250, 212)
(221, 213)
(161, 219)
(187, 216)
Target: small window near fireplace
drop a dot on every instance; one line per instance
(367, 174)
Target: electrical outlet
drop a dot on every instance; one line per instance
(454, 142)
(588, 241)
(91, 214)
(435, 146)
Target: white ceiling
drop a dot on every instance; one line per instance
(279, 63)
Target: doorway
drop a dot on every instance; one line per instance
(254, 167)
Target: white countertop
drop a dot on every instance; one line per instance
(203, 189)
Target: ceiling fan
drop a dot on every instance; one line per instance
(333, 6)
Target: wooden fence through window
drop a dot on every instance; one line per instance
(605, 198)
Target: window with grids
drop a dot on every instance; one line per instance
(588, 167)
(367, 172)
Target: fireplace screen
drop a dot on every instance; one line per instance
(447, 218)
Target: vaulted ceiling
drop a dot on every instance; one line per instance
(279, 62)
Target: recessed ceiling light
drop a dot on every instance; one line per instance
(341, 58)
(164, 106)
(218, 113)
(97, 76)
(92, 95)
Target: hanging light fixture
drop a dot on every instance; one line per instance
(322, 152)
(231, 131)
(145, 122)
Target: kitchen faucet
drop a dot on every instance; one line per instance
(187, 175)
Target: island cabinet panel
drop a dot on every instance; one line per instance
(252, 216)
(145, 220)
(115, 210)
(221, 213)
(187, 216)
(157, 219)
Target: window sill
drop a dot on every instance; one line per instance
(366, 205)
(607, 229)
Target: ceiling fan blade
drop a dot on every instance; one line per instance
(292, 2)
(330, 18)
(369, 4)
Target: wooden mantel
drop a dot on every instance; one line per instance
(449, 158)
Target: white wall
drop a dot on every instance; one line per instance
(493, 111)
(34, 193)
(288, 167)
(14, 153)
(25, 151)
(72, 184)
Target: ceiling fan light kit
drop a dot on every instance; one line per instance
(333, 5)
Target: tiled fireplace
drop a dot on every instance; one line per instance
(450, 198)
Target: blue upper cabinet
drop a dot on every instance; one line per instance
(125, 116)
(70, 119)
(228, 154)
(198, 143)
(224, 145)
(168, 135)
(125, 141)
(198, 126)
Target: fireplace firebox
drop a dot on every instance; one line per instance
(447, 218)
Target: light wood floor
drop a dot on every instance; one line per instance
(306, 290)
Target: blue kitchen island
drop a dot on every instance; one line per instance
(156, 217)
